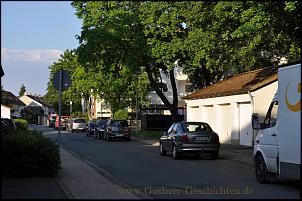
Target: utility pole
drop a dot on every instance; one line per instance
(136, 104)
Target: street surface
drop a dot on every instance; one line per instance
(142, 170)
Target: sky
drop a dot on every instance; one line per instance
(33, 35)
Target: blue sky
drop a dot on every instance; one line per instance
(33, 35)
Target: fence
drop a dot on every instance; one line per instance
(157, 122)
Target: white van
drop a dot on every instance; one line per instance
(277, 148)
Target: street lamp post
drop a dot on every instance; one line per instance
(136, 104)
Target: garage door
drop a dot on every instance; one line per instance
(225, 123)
(194, 114)
(245, 126)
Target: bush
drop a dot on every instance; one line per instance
(28, 153)
(21, 124)
(121, 114)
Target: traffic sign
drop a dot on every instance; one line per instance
(66, 80)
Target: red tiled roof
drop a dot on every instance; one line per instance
(237, 84)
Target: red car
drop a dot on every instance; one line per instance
(63, 122)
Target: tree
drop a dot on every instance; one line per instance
(209, 39)
(115, 33)
(231, 37)
(22, 90)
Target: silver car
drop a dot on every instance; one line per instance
(78, 124)
(117, 129)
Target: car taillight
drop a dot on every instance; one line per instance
(109, 130)
(127, 130)
(184, 138)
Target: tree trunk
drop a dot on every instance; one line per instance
(172, 107)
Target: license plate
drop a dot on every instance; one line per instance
(202, 138)
(119, 135)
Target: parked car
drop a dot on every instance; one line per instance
(117, 129)
(63, 123)
(7, 125)
(186, 137)
(99, 128)
(90, 128)
(77, 124)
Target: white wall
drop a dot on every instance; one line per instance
(230, 116)
(5, 112)
(101, 108)
(263, 98)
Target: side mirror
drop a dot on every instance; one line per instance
(255, 121)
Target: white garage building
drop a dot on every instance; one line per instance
(228, 105)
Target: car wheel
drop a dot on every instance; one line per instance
(175, 153)
(162, 151)
(107, 138)
(72, 130)
(261, 170)
(214, 154)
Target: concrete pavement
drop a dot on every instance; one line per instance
(80, 179)
(238, 153)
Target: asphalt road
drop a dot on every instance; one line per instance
(144, 171)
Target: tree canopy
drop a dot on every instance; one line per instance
(209, 40)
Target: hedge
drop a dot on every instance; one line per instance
(21, 124)
(28, 153)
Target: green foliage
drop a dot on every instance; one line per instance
(209, 39)
(121, 114)
(22, 90)
(21, 124)
(28, 153)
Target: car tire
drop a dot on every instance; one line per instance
(128, 139)
(176, 155)
(72, 130)
(162, 151)
(261, 170)
(214, 155)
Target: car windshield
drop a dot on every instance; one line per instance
(120, 123)
(79, 121)
(191, 127)
(102, 122)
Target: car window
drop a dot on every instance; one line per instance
(120, 123)
(191, 127)
(79, 121)
(178, 129)
(102, 123)
(174, 128)
(170, 129)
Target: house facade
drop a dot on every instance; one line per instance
(13, 102)
(31, 100)
(184, 87)
(227, 106)
(5, 112)
(99, 109)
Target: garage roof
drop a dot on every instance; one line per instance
(238, 84)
